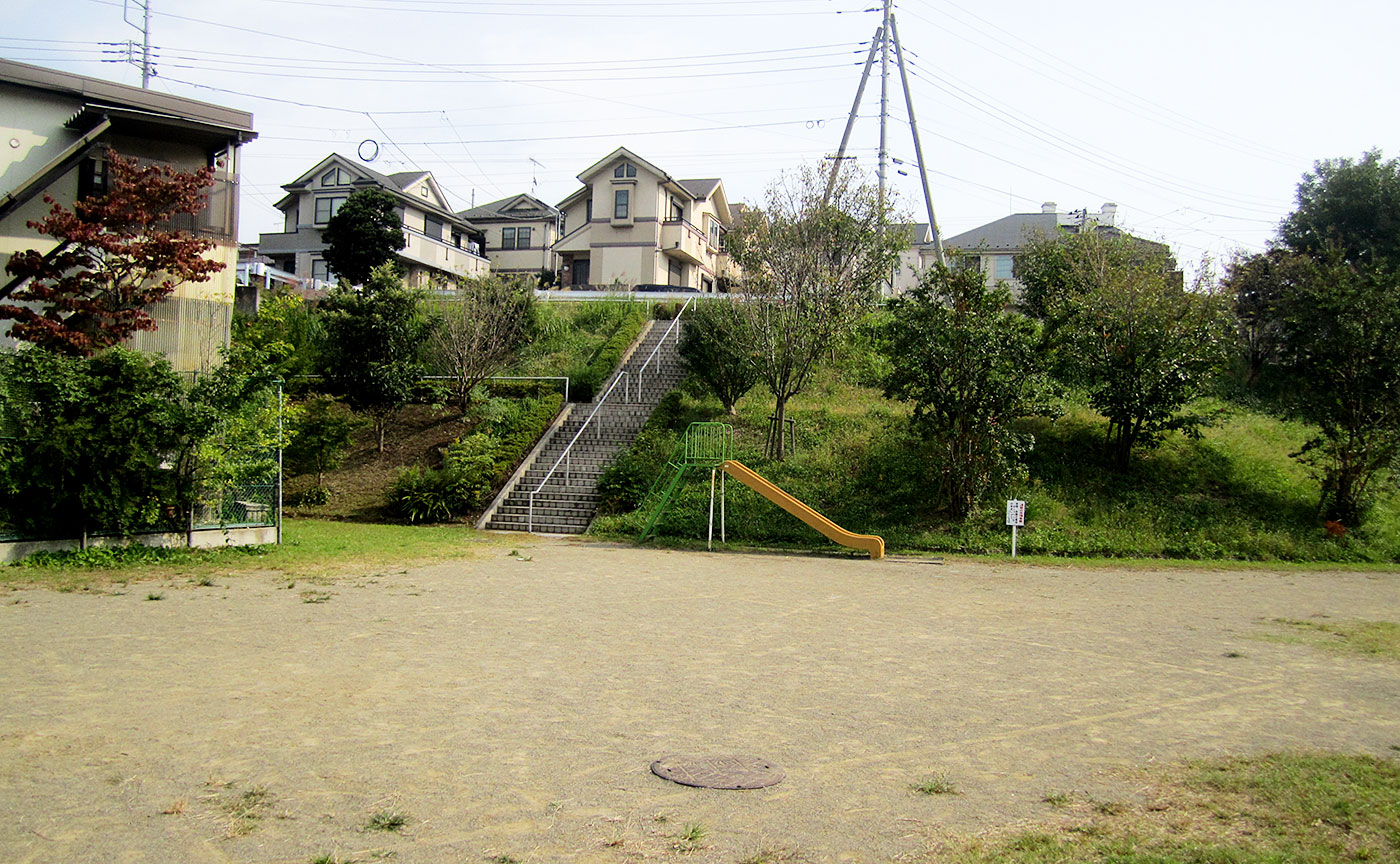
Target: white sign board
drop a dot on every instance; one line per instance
(1015, 513)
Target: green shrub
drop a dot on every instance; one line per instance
(587, 378)
(474, 465)
(320, 437)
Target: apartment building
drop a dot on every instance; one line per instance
(55, 131)
(439, 242)
(631, 223)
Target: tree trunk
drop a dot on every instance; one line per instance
(777, 440)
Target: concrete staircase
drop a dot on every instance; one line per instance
(567, 504)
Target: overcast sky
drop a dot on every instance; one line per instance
(1197, 118)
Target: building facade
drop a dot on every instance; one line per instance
(439, 243)
(992, 248)
(520, 234)
(55, 131)
(633, 224)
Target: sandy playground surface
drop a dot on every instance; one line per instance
(510, 707)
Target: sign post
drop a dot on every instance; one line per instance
(1015, 517)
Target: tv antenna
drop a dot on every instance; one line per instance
(887, 36)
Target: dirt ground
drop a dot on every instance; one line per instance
(509, 707)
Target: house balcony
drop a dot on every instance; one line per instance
(289, 242)
(682, 240)
(437, 254)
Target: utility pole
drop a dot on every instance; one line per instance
(147, 71)
(885, 35)
(884, 95)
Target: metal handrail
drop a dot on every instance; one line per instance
(564, 457)
(659, 343)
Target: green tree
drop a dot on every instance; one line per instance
(363, 234)
(813, 264)
(90, 441)
(481, 325)
(373, 339)
(282, 338)
(970, 366)
(1348, 208)
(716, 350)
(1326, 292)
(1340, 364)
(320, 435)
(1123, 328)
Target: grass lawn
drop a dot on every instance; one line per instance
(311, 548)
(1292, 807)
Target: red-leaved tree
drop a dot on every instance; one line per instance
(116, 255)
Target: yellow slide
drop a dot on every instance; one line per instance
(744, 474)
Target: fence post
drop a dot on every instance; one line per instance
(279, 461)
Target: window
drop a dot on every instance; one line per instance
(432, 227)
(457, 238)
(624, 170)
(714, 234)
(326, 208)
(92, 177)
(563, 221)
(622, 200)
(707, 284)
(423, 190)
(319, 270)
(507, 238)
(588, 211)
(677, 273)
(1005, 265)
(522, 238)
(677, 211)
(337, 177)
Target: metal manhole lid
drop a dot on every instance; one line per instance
(719, 772)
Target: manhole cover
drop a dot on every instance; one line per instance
(719, 772)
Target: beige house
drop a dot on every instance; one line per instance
(55, 129)
(520, 233)
(439, 241)
(633, 224)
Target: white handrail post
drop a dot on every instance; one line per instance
(530, 519)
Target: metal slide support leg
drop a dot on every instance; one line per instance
(710, 538)
(722, 477)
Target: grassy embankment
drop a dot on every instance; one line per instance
(1233, 494)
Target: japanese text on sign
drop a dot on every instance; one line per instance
(1015, 512)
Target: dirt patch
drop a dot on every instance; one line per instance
(418, 436)
(509, 708)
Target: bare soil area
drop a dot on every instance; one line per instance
(509, 707)
(418, 435)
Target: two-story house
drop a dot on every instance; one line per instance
(992, 248)
(55, 131)
(520, 233)
(438, 241)
(633, 224)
